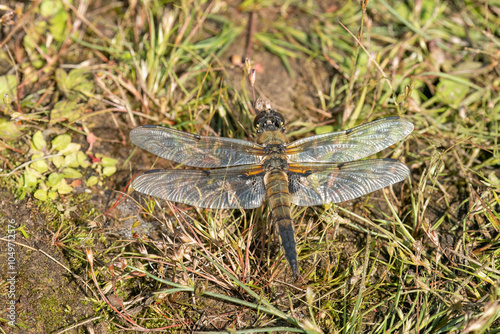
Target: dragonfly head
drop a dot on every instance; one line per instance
(269, 120)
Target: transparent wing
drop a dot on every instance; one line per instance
(349, 145)
(316, 184)
(193, 150)
(225, 188)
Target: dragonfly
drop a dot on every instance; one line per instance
(239, 174)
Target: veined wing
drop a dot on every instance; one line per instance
(349, 145)
(196, 151)
(224, 188)
(315, 184)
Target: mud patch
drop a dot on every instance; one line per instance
(47, 297)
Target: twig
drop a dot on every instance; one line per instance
(251, 32)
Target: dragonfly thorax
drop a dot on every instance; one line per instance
(275, 148)
(275, 162)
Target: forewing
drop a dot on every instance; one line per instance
(316, 184)
(225, 188)
(193, 150)
(353, 144)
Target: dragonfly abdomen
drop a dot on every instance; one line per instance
(276, 183)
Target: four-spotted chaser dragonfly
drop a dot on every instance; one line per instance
(241, 174)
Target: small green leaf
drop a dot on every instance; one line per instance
(57, 16)
(58, 161)
(57, 25)
(71, 148)
(38, 141)
(29, 180)
(79, 81)
(40, 166)
(92, 181)
(29, 43)
(41, 194)
(9, 130)
(8, 85)
(36, 174)
(52, 194)
(20, 193)
(61, 142)
(71, 160)
(428, 10)
(451, 92)
(71, 173)
(66, 110)
(63, 187)
(75, 84)
(109, 170)
(82, 159)
(108, 162)
(50, 7)
(54, 179)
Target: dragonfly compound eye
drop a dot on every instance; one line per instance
(280, 118)
(258, 119)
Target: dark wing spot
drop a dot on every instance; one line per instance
(197, 137)
(257, 186)
(339, 166)
(206, 171)
(347, 132)
(294, 182)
